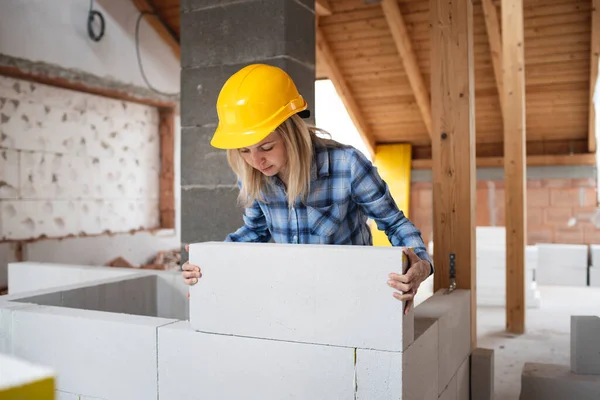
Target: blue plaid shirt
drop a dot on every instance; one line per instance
(345, 190)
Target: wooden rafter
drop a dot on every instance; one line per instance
(322, 7)
(595, 55)
(513, 67)
(392, 13)
(492, 25)
(325, 55)
(144, 6)
(533, 160)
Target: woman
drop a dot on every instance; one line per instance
(297, 187)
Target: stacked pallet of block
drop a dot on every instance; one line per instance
(594, 271)
(562, 264)
(491, 269)
(581, 381)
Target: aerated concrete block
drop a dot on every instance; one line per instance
(595, 276)
(585, 344)
(196, 365)
(562, 264)
(321, 294)
(595, 254)
(105, 355)
(378, 374)
(7, 309)
(557, 382)
(482, 374)
(54, 275)
(420, 363)
(453, 312)
(463, 380)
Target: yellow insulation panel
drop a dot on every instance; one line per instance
(393, 162)
(23, 380)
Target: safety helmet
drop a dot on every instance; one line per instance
(252, 104)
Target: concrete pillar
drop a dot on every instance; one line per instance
(219, 37)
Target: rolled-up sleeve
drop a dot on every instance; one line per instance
(254, 229)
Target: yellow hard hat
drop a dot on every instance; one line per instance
(253, 103)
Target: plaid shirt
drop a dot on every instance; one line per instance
(345, 190)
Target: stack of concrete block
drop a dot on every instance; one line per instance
(279, 321)
(581, 381)
(562, 264)
(491, 269)
(594, 271)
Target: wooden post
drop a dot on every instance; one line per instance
(513, 62)
(594, 59)
(453, 145)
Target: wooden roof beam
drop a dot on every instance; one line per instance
(156, 22)
(322, 8)
(492, 25)
(325, 56)
(392, 13)
(595, 53)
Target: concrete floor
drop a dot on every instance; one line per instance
(547, 338)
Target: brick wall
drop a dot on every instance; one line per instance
(558, 210)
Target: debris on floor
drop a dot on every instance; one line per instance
(164, 260)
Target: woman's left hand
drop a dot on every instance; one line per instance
(409, 283)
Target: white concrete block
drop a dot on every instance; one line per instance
(562, 264)
(171, 295)
(595, 254)
(450, 391)
(420, 363)
(557, 382)
(463, 380)
(318, 294)
(55, 275)
(594, 276)
(100, 354)
(6, 322)
(585, 344)
(482, 374)
(9, 174)
(60, 395)
(196, 365)
(453, 314)
(378, 374)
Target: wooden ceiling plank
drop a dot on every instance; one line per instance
(595, 53)
(393, 15)
(322, 8)
(325, 55)
(156, 23)
(492, 24)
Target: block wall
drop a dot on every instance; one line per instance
(74, 163)
(559, 210)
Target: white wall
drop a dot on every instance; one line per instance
(56, 32)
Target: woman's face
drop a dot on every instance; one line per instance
(269, 156)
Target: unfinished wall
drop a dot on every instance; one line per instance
(42, 39)
(75, 163)
(561, 204)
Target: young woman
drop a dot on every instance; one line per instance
(297, 187)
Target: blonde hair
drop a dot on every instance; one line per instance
(298, 139)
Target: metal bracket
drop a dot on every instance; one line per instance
(452, 273)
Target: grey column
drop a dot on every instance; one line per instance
(219, 37)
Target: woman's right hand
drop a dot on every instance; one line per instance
(191, 273)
